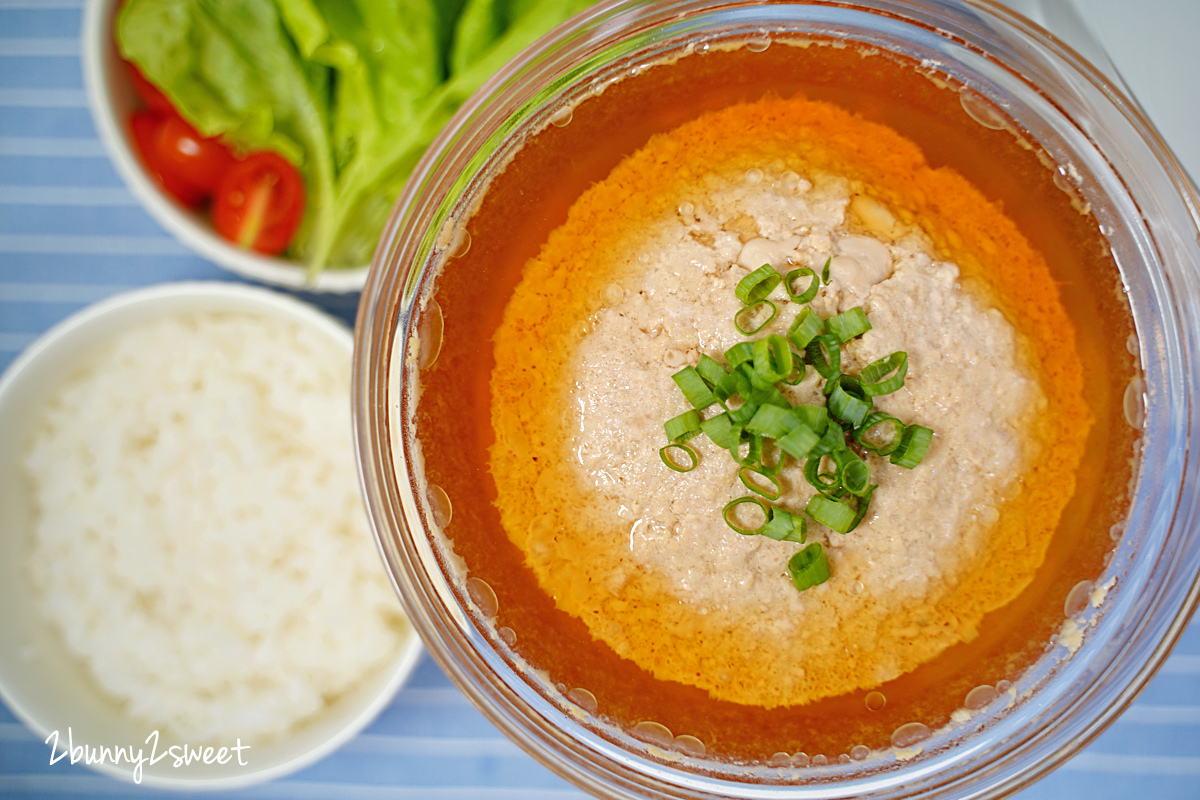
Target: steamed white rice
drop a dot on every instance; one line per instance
(201, 541)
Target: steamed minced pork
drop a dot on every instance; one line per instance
(639, 282)
(201, 542)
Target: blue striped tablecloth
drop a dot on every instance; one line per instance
(70, 234)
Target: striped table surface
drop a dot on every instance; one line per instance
(70, 234)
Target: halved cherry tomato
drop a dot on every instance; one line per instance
(186, 164)
(150, 95)
(195, 159)
(260, 203)
(146, 126)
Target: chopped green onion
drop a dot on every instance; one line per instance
(825, 354)
(853, 472)
(805, 327)
(731, 509)
(749, 314)
(770, 468)
(913, 446)
(848, 324)
(772, 358)
(874, 377)
(825, 270)
(742, 351)
(845, 402)
(772, 421)
(880, 432)
(726, 388)
(770, 492)
(809, 567)
(833, 514)
(753, 451)
(722, 431)
(864, 501)
(741, 415)
(815, 417)
(808, 294)
(757, 285)
(685, 426)
(833, 437)
(799, 442)
(797, 373)
(768, 394)
(665, 453)
(694, 388)
(817, 479)
(783, 526)
(711, 370)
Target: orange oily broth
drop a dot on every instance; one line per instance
(990, 249)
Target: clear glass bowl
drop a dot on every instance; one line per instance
(1112, 160)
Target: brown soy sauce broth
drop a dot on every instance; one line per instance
(530, 198)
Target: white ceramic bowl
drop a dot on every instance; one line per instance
(43, 685)
(112, 101)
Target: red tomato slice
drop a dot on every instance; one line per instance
(146, 126)
(260, 203)
(194, 159)
(150, 95)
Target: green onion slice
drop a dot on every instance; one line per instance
(815, 417)
(784, 526)
(685, 426)
(825, 354)
(809, 567)
(772, 358)
(799, 441)
(730, 511)
(772, 421)
(750, 314)
(797, 374)
(768, 394)
(833, 437)
(741, 415)
(863, 502)
(885, 375)
(848, 324)
(694, 388)
(711, 370)
(880, 433)
(766, 484)
(853, 472)
(913, 446)
(808, 294)
(768, 466)
(757, 285)
(825, 270)
(668, 457)
(753, 455)
(725, 389)
(833, 514)
(722, 430)
(845, 402)
(827, 483)
(742, 351)
(805, 327)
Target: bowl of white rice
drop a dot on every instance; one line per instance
(191, 589)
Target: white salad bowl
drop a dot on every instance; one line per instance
(43, 684)
(112, 102)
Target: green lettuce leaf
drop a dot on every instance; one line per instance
(232, 69)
